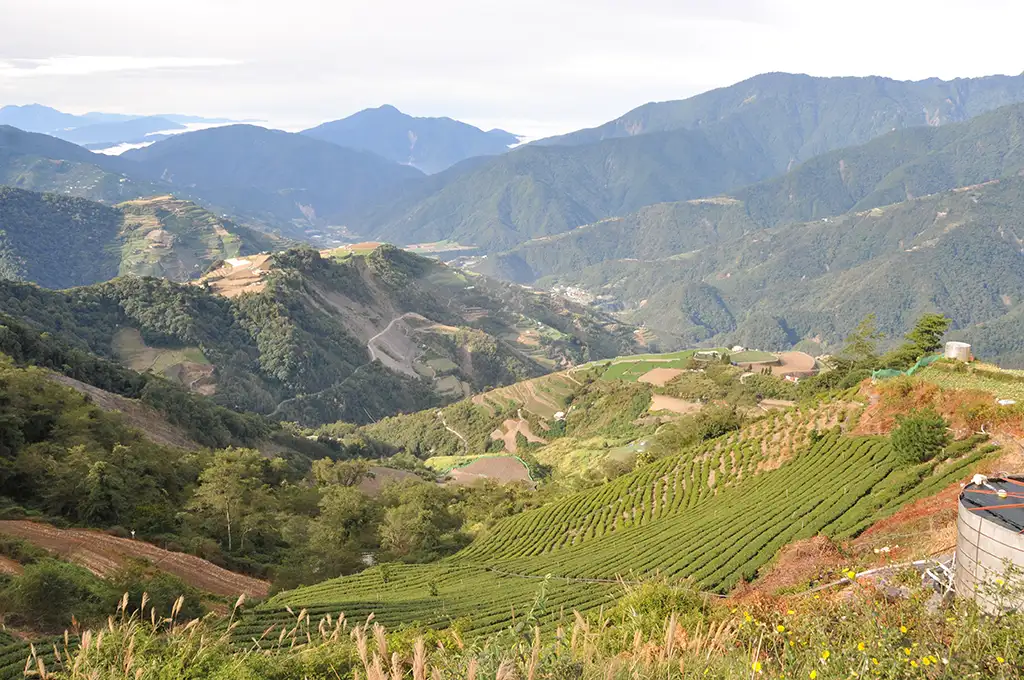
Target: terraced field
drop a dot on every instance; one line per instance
(715, 514)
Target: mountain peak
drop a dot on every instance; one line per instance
(429, 144)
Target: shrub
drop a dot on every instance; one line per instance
(50, 593)
(920, 436)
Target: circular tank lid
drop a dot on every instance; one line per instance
(998, 499)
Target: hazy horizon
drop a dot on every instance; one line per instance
(531, 68)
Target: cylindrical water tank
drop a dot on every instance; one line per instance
(961, 351)
(989, 545)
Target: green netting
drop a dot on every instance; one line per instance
(885, 373)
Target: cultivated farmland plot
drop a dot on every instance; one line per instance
(714, 514)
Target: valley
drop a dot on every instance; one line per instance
(677, 396)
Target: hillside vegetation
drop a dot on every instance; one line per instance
(908, 223)
(61, 242)
(709, 144)
(321, 338)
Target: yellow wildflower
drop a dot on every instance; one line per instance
(814, 674)
(825, 655)
(860, 646)
(1000, 659)
(903, 629)
(757, 666)
(781, 628)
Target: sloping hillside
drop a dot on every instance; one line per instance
(103, 554)
(59, 241)
(539, 191)
(39, 162)
(808, 116)
(715, 513)
(352, 335)
(709, 144)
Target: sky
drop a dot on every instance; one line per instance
(533, 67)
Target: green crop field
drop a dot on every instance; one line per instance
(1000, 383)
(632, 369)
(752, 357)
(715, 514)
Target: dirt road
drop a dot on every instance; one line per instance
(103, 554)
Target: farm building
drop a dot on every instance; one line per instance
(990, 543)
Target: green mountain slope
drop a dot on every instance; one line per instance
(39, 162)
(806, 116)
(429, 144)
(61, 241)
(890, 169)
(540, 191)
(714, 513)
(714, 143)
(957, 252)
(344, 336)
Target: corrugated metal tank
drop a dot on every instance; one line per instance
(986, 542)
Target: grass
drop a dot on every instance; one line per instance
(634, 370)
(1001, 384)
(443, 464)
(653, 631)
(752, 357)
(442, 365)
(132, 350)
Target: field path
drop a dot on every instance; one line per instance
(103, 554)
(465, 443)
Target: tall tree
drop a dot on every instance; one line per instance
(235, 488)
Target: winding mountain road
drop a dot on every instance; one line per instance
(369, 344)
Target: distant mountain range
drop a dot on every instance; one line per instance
(916, 220)
(278, 180)
(428, 144)
(708, 144)
(653, 214)
(97, 130)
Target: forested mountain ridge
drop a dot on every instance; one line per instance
(540, 191)
(318, 338)
(286, 182)
(808, 115)
(891, 169)
(719, 142)
(428, 144)
(61, 241)
(958, 252)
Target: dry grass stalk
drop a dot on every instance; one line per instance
(531, 669)
(419, 660)
(506, 671)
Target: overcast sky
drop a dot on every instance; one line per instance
(534, 66)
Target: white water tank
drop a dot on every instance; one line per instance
(960, 351)
(989, 544)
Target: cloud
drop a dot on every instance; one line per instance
(93, 65)
(530, 66)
